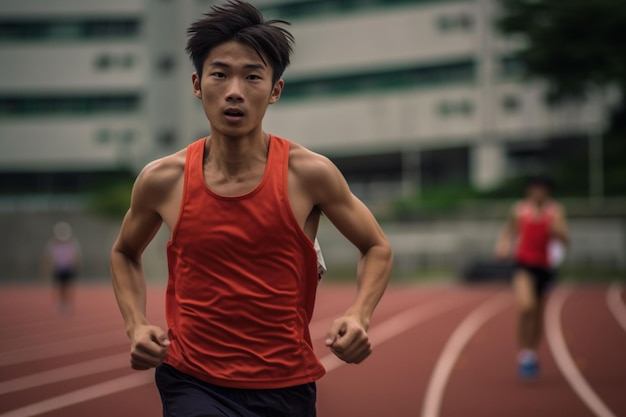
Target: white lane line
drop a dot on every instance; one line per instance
(117, 361)
(319, 328)
(54, 319)
(65, 373)
(563, 359)
(67, 330)
(63, 347)
(399, 324)
(453, 348)
(615, 303)
(79, 396)
(379, 334)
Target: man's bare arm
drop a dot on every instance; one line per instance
(504, 242)
(560, 230)
(148, 343)
(347, 337)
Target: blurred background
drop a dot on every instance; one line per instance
(435, 111)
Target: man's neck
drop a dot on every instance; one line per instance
(236, 155)
(540, 203)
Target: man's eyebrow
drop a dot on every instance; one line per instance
(254, 66)
(246, 66)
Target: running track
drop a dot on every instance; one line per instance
(440, 351)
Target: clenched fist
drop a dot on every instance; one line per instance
(348, 340)
(148, 347)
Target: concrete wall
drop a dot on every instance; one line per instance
(448, 245)
(26, 234)
(452, 244)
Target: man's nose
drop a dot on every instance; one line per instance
(235, 91)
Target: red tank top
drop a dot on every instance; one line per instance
(242, 282)
(534, 233)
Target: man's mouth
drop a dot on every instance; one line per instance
(234, 113)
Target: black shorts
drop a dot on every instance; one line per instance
(64, 276)
(185, 396)
(543, 278)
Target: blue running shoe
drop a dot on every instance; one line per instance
(528, 370)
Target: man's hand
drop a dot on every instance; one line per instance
(559, 228)
(502, 250)
(149, 345)
(348, 340)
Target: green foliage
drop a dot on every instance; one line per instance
(434, 199)
(112, 199)
(573, 44)
(615, 167)
(570, 176)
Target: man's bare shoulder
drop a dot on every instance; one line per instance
(557, 207)
(159, 176)
(317, 175)
(308, 165)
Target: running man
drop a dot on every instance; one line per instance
(243, 208)
(62, 261)
(539, 225)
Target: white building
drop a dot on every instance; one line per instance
(87, 88)
(397, 92)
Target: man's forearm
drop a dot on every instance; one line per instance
(129, 285)
(561, 234)
(373, 274)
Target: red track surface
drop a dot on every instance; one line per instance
(53, 365)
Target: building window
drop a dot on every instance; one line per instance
(466, 107)
(449, 108)
(449, 23)
(107, 61)
(459, 72)
(444, 166)
(167, 137)
(68, 29)
(511, 67)
(445, 109)
(307, 9)
(34, 106)
(165, 64)
(102, 62)
(103, 136)
(127, 136)
(511, 103)
(127, 61)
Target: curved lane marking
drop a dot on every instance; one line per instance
(453, 348)
(615, 303)
(64, 347)
(399, 324)
(563, 359)
(65, 373)
(85, 394)
(386, 330)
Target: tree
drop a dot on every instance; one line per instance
(575, 45)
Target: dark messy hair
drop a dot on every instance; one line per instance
(241, 22)
(540, 181)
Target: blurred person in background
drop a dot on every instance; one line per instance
(62, 262)
(243, 208)
(534, 236)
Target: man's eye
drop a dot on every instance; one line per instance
(218, 75)
(253, 77)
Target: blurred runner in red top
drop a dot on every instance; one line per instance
(538, 223)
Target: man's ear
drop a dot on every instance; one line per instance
(195, 79)
(277, 91)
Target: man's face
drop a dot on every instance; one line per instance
(235, 89)
(537, 193)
